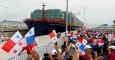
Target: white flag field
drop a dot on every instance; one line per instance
(11, 46)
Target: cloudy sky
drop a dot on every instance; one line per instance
(97, 11)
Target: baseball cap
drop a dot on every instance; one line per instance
(54, 52)
(112, 47)
(87, 46)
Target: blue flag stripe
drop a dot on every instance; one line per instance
(30, 40)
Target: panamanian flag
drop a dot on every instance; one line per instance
(53, 36)
(28, 39)
(81, 43)
(28, 42)
(30, 36)
(11, 46)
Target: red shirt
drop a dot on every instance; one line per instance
(91, 40)
(85, 57)
(114, 36)
(112, 56)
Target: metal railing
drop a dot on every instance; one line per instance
(41, 50)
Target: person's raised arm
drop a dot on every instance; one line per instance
(58, 52)
(35, 55)
(50, 56)
(75, 56)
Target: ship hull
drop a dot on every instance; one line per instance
(43, 28)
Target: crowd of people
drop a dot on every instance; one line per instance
(98, 45)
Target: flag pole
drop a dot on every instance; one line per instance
(34, 45)
(46, 48)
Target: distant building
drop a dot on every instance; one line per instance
(105, 26)
(13, 24)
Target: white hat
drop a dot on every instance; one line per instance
(87, 46)
(53, 52)
(112, 47)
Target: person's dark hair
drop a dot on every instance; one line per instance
(55, 57)
(104, 38)
(81, 35)
(105, 47)
(99, 50)
(46, 54)
(64, 43)
(113, 51)
(69, 58)
(46, 58)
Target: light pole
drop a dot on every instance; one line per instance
(6, 15)
(66, 15)
(114, 25)
(44, 11)
(70, 14)
(84, 17)
(6, 12)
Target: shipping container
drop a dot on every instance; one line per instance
(56, 15)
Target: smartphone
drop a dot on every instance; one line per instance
(71, 51)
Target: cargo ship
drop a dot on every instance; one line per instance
(44, 21)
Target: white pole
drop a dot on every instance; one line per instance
(67, 15)
(70, 21)
(6, 15)
(6, 12)
(84, 16)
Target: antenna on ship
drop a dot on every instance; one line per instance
(43, 11)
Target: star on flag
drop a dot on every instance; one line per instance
(30, 32)
(15, 51)
(17, 36)
(20, 43)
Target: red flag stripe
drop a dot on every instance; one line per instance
(30, 47)
(52, 34)
(80, 40)
(8, 45)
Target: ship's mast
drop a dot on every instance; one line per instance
(43, 11)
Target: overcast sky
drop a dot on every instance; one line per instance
(97, 11)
